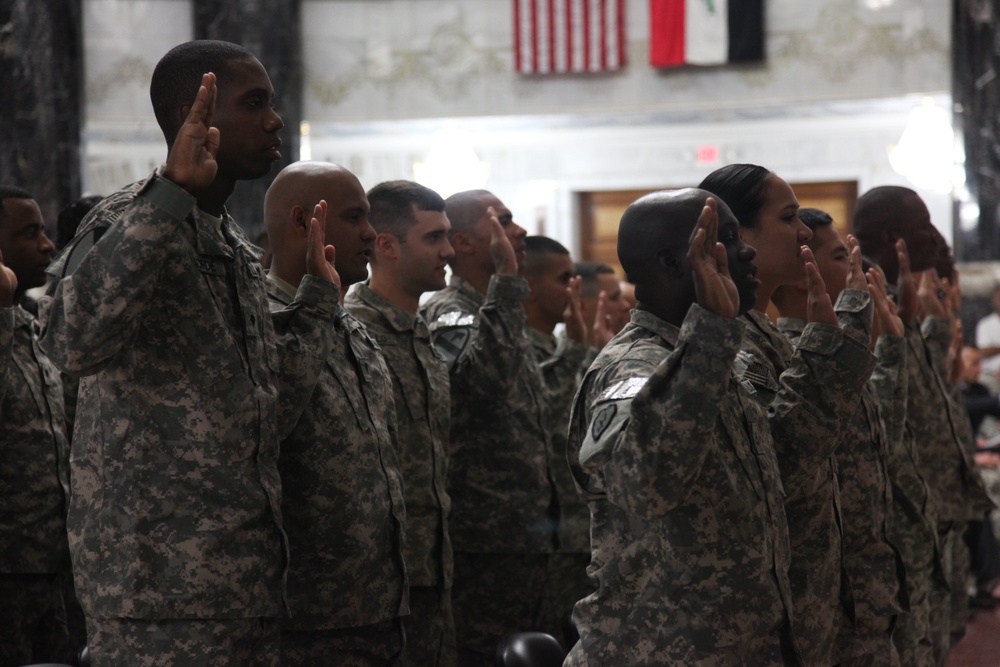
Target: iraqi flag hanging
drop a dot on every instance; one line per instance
(569, 36)
(705, 32)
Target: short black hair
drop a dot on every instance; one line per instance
(536, 248)
(71, 216)
(813, 218)
(588, 272)
(878, 210)
(393, 204)
(177, 76)
(12, 192)
(742, 187)
(465, 208)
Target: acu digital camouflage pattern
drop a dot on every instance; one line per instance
(810, 392)
(945, 464)
(690, 545)
(873, 566)
(501, 491)
(34, 454)
(343, 492)
(562, 364)
(912, 523)
(175, 503)
(420, 387)
(560, 361)
(943, 456)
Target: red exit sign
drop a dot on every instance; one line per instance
(706, 155)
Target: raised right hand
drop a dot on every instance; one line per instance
(713, 286)
(819, 308)
(191, 161)
(8, 285)
(504, 259)
(906, 284)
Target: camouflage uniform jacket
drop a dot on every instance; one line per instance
(811, 392)
(501, 490)
(874, 568)
(944, 457)
(34, 454)
(561, 360)
(690, 545)
(913, 521)
(423, 414)
(343, 492)
(175, 505)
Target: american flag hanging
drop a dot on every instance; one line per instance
(558, 36)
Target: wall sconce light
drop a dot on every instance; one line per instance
(451, 165)
(925, 154)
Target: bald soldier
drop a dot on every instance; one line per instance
(689, 541)
(343, 493)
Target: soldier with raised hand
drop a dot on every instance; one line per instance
(883, 216)
(810, 391)
(343, 492)
(502, 511)
(874, 567)
(411, 253)
(175, 520)
(690, 545)
(35, 577)
(555, 298)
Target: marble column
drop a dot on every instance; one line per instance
(40, 73)
(272, 32)
(976, 93)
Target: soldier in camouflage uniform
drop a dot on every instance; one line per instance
(343, 493)
(690, 545)
(411, 253)
(555, 298)
(34, 456)
(882, 216)
(503, 514)
(873, 567)
(175, 520)
(810, 391)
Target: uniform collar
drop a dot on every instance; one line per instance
(396, 317)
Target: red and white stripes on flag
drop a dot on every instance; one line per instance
(705, 32)
(556, 36)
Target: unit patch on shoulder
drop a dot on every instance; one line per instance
(602, 420)
(451, 342)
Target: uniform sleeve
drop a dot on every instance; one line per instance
(821, 390)
(652, 438)
(96, 310)
(482, 348)
(936, 332)
(307, 332)
(889, 380)
(562, 373)
(6, 352)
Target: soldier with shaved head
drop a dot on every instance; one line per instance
(689, 541)
(343, 492)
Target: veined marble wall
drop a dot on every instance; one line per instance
(382, 75)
